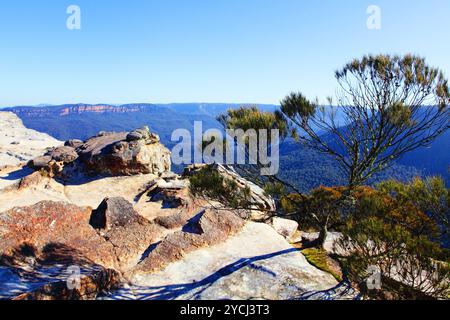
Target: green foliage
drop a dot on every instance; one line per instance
(320, 259)
(251, 118)
(276, 190)
(317, 210)
(391, 105)
(408, 71)
(429, 195)
(390, 232)
(324, 207)
(296, 104)
(399, 115)
(209, 184)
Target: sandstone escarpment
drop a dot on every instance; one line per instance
(75, 109)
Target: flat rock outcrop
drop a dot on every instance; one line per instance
(19, 144)
(208, 228)
(52, 225)
(256, 263)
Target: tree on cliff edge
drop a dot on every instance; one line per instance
(388, 106)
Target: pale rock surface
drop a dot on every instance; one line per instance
(82, 191)
(285, 227)
(216, 259)
(11, 175)
(19, 144)
(257, 263)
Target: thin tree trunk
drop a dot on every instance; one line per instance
(322, 237)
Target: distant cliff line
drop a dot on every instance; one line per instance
(65, 110)
(211, 109)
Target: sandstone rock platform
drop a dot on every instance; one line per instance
(110, 207)
(19, 144)
(257, 263)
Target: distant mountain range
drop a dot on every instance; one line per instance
(305, 168)
(82, 121)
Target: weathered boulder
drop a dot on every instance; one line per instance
(40, 162)
(47, 223)
(143, 134)
(114, 212)
(169, 176)
(74, 143)
(206, 229)
(176, 198)
(166, 202)
(125, 229)
(63, 154)
(121, 154)
(110, 153)
(54, 160)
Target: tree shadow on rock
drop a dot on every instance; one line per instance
(27, 268)
(194, 290)
(18, 174)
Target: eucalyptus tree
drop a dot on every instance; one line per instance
(386, 106)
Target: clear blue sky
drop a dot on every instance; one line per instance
(202, 50)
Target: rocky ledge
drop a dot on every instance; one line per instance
(19, 144)
(109, 209)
